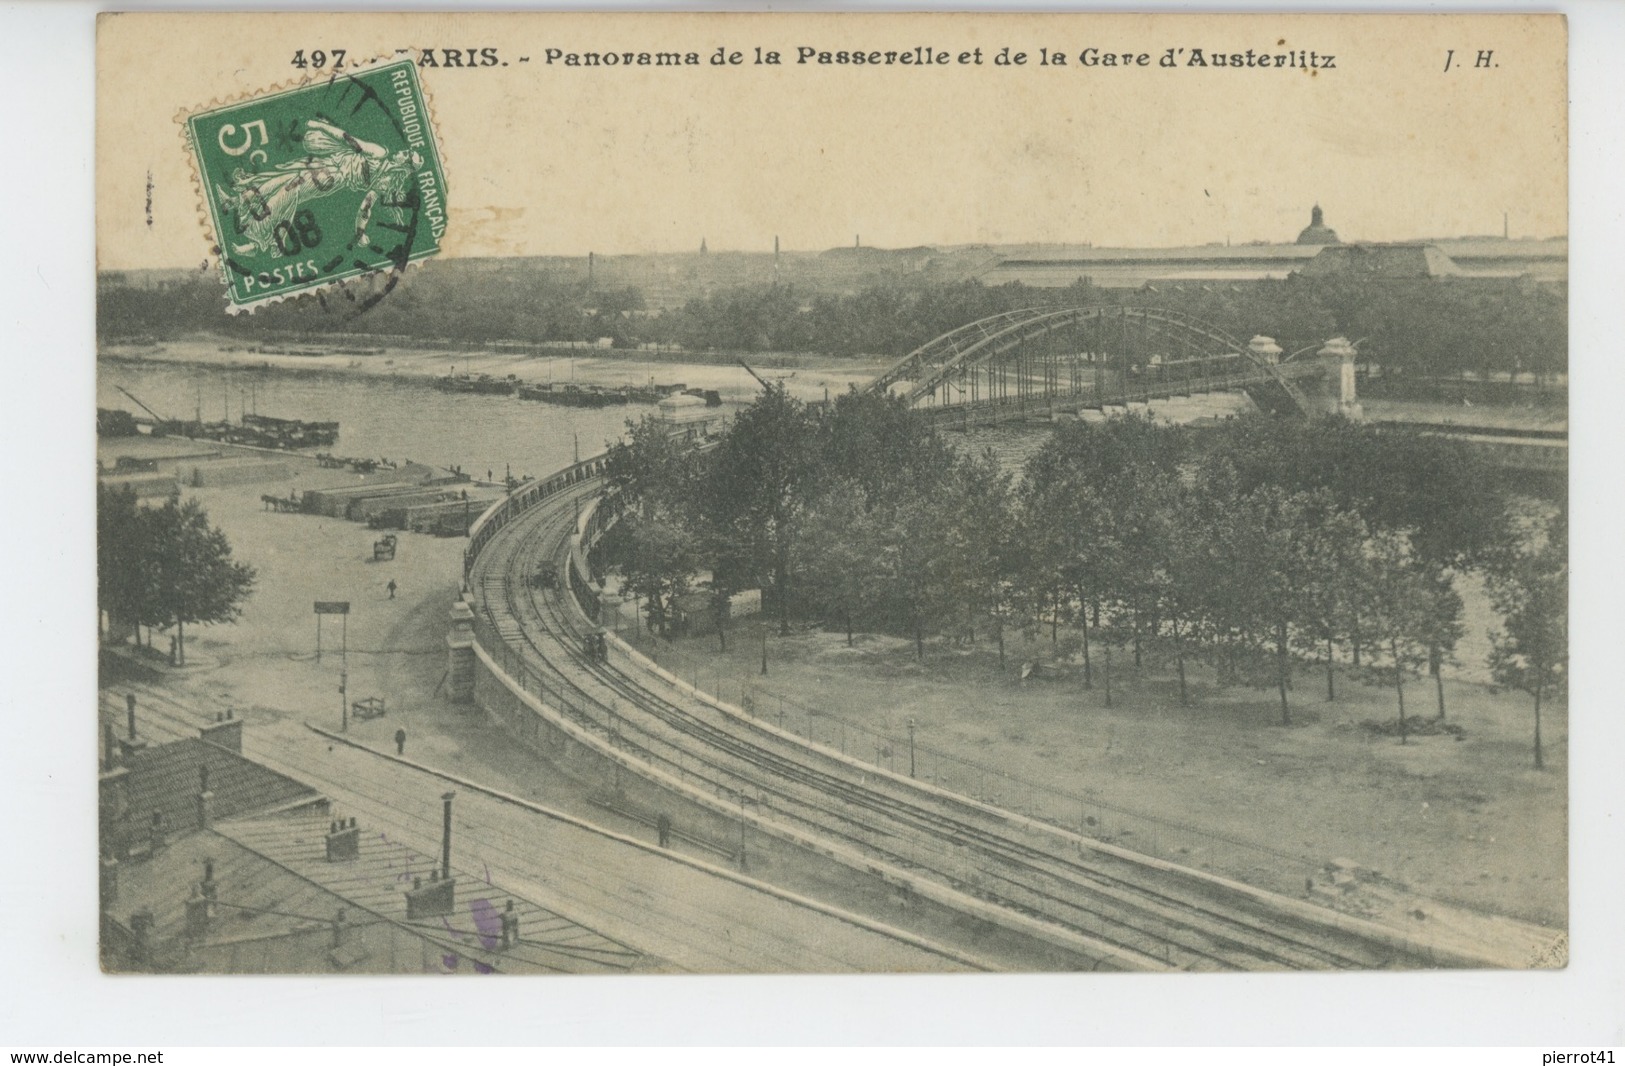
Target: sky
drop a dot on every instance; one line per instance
(545, 159)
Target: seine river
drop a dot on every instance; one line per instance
(403, 417)
(378, 416)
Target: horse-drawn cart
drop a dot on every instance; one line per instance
(383, 549)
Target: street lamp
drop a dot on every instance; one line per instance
(911, 746)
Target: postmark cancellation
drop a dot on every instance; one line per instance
(308, 187)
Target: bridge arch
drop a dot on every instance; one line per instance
(1061, 357)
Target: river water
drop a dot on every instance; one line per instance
(386, 407)
(394, 417)
(397, 414)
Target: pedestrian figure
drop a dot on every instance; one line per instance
(400, 742)
(391, 588)
(510, 926)
(663, 828)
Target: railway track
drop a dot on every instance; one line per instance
(1122, 910)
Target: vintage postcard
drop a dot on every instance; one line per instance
(831, 493)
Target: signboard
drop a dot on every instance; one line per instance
(332, 606)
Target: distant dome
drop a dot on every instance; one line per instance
(1317, 232)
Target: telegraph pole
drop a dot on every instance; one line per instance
(344, 672)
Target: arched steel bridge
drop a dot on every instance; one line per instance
(1039, 361)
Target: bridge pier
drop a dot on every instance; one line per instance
(460, 662)
(1348, 400)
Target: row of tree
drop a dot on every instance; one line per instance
(1416, 327)
(164, 567)
(1253, 546)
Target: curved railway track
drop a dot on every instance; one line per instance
(1120, 909)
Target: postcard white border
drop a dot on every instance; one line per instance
(52, 994)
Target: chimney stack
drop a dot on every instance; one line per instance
(197, 916)
(343, 841)
(205, 809)
(141, 929)
(129, 707)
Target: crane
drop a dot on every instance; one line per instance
(753, 374)
(141, 405)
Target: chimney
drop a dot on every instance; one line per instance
(141, 930)
(343, 841)
(205, 809)
(226, 731)
(436, 898)
(131, 743)
(110, 741)
(108, 881)
(210, 888)
(197, 916)
(445, 838)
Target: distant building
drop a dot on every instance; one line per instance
(1317, 232)
(1388, 261)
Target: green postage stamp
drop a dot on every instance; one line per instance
(307, 187)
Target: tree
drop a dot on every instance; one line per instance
(1261, 574)
(1330, 605)
(1093, 497)
(121, 570)
(757, 484)
(841, 556)
(1529, 586)
(193, 577)
(977, 521)
(650, 468)
(1398, 609)
(1437, 490)
(657, 563)
(1442, 627)
(915, 548)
